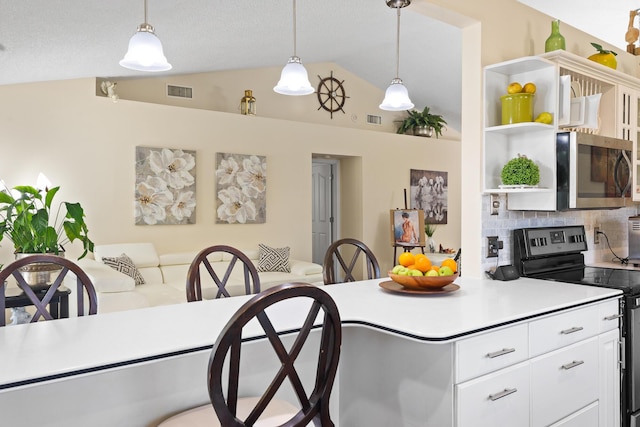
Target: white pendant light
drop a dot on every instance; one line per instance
(145, 50)
(396, 97)
(294, 79)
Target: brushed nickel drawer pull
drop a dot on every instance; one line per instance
(571, 330)
(500, 352)
(613, 317)
(573, 364)
(503, 393)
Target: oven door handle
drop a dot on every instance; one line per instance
(623, 190)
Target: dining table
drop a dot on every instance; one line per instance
(139, 366)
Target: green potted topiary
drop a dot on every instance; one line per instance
(422, 123)
(520, 171)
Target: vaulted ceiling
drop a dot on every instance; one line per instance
(44, 40)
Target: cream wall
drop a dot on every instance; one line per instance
(222, 91)
(86, 144)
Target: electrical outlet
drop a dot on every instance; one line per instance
(596, 235)
(493, 246)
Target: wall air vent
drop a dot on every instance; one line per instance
(374, 120)
(179, 92)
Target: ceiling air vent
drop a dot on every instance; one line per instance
(374, 120)
(179, 91)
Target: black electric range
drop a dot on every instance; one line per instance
(556, 253)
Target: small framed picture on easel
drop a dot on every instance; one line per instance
(407, 227)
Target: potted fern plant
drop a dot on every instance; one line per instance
(422, 123)
(27, 219)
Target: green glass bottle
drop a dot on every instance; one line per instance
(555, 40)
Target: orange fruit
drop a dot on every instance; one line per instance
(449, 262)
(406, 259)
(435, 267)
(422, 263)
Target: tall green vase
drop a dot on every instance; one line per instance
(555, 40)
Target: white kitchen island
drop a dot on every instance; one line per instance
(426, 360)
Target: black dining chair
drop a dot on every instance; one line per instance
(51, 299)
(194, 275)
(228, 409)
(336, 270)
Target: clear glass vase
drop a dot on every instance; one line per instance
(431, 244)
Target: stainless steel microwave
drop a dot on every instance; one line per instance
(593, 171)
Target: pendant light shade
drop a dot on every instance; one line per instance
(294, 80)
(145, 50)
(396, 97)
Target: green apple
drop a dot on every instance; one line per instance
(404, 271)
(445, 271)
(415, 273)
(432, 273)
(397, 268)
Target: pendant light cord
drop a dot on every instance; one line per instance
(145, 12)
(397, 45)
(294, 28)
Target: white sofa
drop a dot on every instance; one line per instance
(165, 276)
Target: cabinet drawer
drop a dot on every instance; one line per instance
(553, 332)
(585, 417)
(609, 315)
(497, 399)
(564, 381)
(492, 351)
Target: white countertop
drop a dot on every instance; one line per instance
(54, 348)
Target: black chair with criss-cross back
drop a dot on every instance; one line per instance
(50, 300)
(200, 262)
(336, 270)
(320, 316)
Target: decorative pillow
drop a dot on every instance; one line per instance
(273, 259)
(125, 265)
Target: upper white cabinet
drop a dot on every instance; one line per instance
(558, 75)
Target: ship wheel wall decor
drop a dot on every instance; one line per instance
(331, 94)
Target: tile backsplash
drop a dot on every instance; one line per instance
(613, 223)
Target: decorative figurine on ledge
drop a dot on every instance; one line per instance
(633, 33)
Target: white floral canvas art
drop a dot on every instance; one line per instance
(242, 188)
(165, 186)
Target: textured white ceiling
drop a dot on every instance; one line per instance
(63, 39)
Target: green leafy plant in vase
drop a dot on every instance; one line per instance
(422, 123)
(429, 230)
(26, 220)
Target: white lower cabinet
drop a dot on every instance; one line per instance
(569, 377)
(609, 378)
(585, 417)
(563, 381)
(497, 399)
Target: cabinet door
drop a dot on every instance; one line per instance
(609, 378)
(564, 381)
(497, 399)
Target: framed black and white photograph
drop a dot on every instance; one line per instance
(429, 191)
